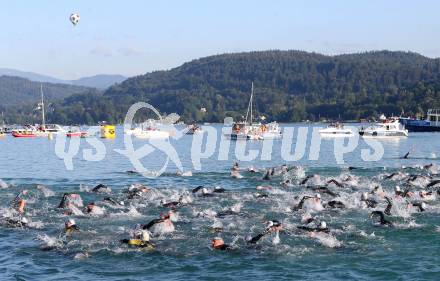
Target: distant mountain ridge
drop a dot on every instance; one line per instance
(17, 91)
(100, 81)
(289, 86)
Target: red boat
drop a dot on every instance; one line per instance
(76, 134)
(23, 134)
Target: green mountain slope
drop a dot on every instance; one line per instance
(289, 86)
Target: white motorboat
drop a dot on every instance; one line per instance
(336, 130)
(388, 128)
(148, 130)
(271, 131)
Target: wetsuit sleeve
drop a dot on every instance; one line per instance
(151, 223)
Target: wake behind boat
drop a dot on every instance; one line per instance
(388, 128)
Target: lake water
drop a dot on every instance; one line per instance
(357, 247)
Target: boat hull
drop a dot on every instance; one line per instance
(23, 135)
(379, 134)
(76, 134)
(413, 125)
(152, 135)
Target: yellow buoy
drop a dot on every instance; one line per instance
(108, 131)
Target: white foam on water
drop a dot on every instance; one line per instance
(50, 242)
(3, 184)
(46, 191)
(81, 256)
(276, 238)
(327, 240)
(236, 207)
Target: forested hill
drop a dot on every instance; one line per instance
(289, 86)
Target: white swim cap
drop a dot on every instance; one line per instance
(397, 188)
(364, 196)
(71, 222)
(317, 195)
(204, 190)
(423, 205)
(269, 223)
(323, 225)
(145, 235)
(24, 220)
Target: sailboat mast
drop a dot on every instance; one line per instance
(251, 102)
(43, 124)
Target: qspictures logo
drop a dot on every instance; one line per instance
(207, 144)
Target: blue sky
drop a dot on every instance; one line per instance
(134, 37)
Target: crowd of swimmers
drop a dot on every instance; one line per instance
(71, 205)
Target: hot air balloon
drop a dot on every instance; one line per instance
(74, 19)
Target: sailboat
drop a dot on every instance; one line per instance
(44, 130)
(248, 130)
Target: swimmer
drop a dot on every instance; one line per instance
(425, 195)
(174, 204)
(261, 195)
(268, 174)
(398, 192)
(391, 176)
(335, 204)
(218, 244)
(389, 206)
(137, 190)
(307, 218)
(316, 200)
(70, 227)
(218, 189)
(420, 205)
(23, 222)
(20, 196)
(368, 203)
(382, 219)
(272, 226)
(92, 209)
(101, 188)
(226, 213)
(236, 174)
(432, 183)
(21, 205)
(206, 193)
(252, 169)
(335, 182)
(113, 201)
(322, 227)
(405, 156)
(164, 223)
(72, 198)
(323, 189)
(304, 181)
(235, 167)
(141, 239)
